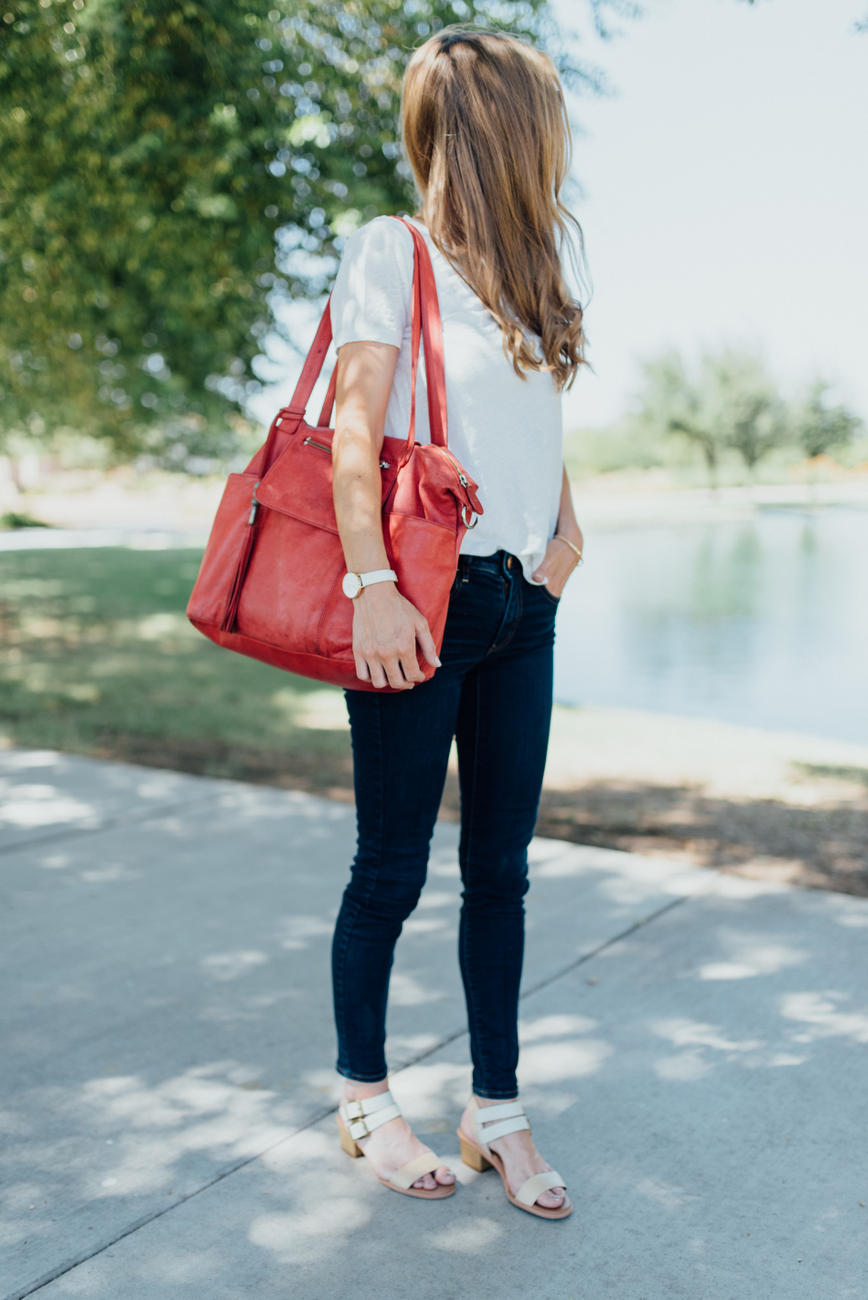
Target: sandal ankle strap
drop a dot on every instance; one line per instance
(363, 1116)
(493, 1122)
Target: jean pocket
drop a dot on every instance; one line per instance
(552, 600)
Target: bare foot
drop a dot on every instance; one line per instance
(520, 1159)
(393, 1144)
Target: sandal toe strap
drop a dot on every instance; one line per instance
(534, 1187)
(408, 1174)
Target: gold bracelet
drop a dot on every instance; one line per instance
(559, 537)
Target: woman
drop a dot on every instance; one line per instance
(487, 137)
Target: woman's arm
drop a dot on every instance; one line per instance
(560, 559)
(386, 627)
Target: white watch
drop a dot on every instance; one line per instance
(354, 582)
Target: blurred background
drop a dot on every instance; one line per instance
(177, 185)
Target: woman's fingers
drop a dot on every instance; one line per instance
(382, 669)
(409, 665)
(544, 570)
(378, 674)
(426, 642)
(399, 676)
(391, 670)
(362, 671)
(405, 658)
(401, 673)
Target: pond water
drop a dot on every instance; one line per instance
(762, 622)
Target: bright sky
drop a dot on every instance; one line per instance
(726, 192)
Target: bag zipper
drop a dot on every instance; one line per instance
(462, 479)
(320, 446)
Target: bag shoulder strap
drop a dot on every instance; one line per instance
(432, 331)
(425, 325)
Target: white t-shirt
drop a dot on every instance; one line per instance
(506, 431)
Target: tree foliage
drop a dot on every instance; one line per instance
(821, 427)
(169, 169)
(750, 414)
(730, 403)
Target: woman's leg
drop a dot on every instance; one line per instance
(503, 733)
(401, 748)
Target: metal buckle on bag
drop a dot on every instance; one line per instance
(464, 518)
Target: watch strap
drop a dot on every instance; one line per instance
(377, 575)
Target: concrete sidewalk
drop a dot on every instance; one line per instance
(694, 1062)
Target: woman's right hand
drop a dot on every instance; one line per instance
(386, 628)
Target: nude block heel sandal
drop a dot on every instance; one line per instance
(491, 1122)
(356, 1119)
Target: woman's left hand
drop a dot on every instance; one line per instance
(558, 563)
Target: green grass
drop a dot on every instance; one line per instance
(97, 657)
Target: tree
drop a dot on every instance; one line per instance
(730, 403)
(671, 404)
(821, 428)
(169, 169)
(746, 405)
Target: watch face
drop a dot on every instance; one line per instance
(352, 585)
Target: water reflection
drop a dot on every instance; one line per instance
(762, 621)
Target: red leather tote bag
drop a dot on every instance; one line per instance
(270, 582)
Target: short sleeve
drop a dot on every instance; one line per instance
(371, 296)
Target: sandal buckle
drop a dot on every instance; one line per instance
(357, 1128)
(354, 1110)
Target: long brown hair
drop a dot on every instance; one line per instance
(487, 135)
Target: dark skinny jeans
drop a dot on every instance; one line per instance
(493, 692)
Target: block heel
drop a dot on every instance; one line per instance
(475, 1159)
(347, 1144)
